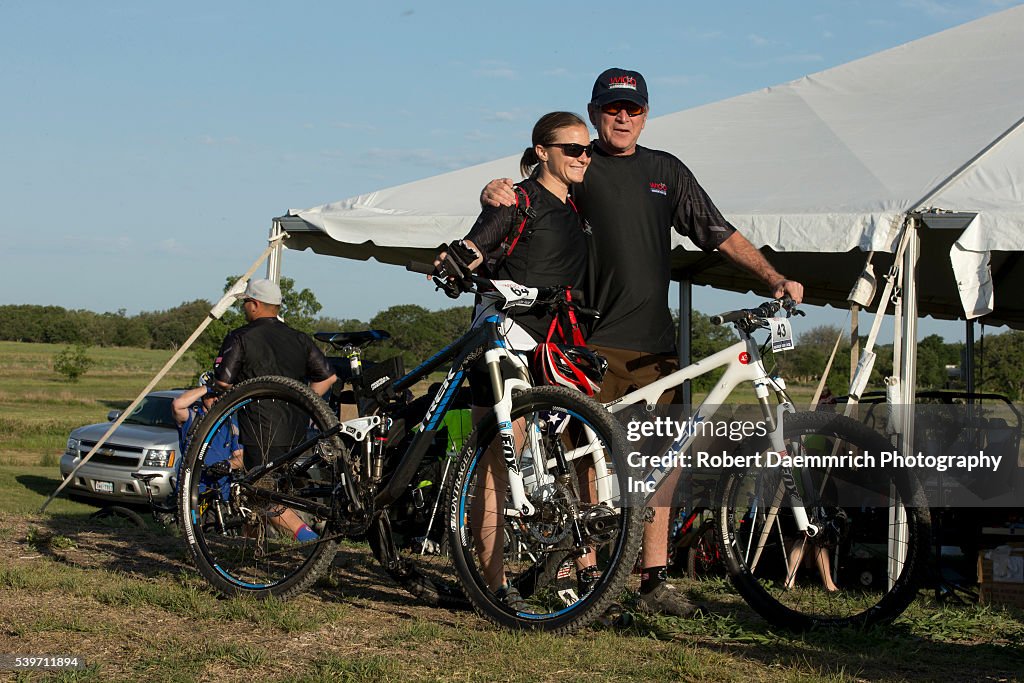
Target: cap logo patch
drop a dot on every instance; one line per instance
(622, 82)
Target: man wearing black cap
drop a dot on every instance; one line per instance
(630, 197)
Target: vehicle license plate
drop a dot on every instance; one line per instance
(104, 486)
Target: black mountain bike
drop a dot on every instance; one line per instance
(345, 479)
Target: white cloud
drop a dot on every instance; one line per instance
(495, 69)
(758, 41)
(934, 8)
(171, 247)
(703, 34)
(505, 116)
(505, 73)
(212, 141)
(347, 125)
(676, 80)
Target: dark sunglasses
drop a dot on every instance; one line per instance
(631, 108)
(573, 149)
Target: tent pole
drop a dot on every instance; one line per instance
(685, 333)
(854, 339)
(908, 341)
(968, 359)
(276, 253)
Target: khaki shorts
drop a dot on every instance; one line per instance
(631, 370)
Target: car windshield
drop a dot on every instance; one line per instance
(154, 411)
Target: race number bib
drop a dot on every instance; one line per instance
(515, 294)
(782, 334)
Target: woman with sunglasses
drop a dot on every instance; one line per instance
(551, 251)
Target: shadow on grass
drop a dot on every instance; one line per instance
(44, 486)
(934, 644)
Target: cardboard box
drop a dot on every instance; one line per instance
(1001, 575)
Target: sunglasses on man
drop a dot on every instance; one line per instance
(631, 108)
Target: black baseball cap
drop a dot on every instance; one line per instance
(615, 85)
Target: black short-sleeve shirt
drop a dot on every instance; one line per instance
(631, 203)
(267, 346)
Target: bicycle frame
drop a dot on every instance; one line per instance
(504, 382)
(496, 352)
(743, 363)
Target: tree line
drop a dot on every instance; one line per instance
(416, 333)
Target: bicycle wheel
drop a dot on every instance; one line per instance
(241, 541)
(867, 560)
(561, 437)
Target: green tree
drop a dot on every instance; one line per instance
(414, 333)
(169, 329)
(706, 339)
(1001, 364)
(73, 362)
(933, 355)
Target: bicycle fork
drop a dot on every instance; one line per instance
(503, 388)
(786, 487)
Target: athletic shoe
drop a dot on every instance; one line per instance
(666, 599)
(511, 598)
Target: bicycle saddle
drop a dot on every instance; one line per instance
(343, 339)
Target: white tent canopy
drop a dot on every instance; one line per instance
(829, 164)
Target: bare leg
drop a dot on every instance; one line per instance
(824, 562)
(488, 520)
(655, 551)
(821, 559)
(796, 556)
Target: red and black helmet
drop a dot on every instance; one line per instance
(569, 366)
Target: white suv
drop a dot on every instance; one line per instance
(147, 442)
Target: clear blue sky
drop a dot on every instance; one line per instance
(146, 146)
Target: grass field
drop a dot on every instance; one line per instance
(127, 601)
(38, 407)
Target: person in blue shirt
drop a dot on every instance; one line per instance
(187, 409)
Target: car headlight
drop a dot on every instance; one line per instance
(73, 446)
(158, 458)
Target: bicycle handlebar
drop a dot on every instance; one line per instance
(757, 315)
(546, 296)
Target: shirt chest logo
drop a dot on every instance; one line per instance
(659, 188)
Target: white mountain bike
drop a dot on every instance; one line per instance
(806, 494)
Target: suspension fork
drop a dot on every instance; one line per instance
(787, 485)
(503, 387)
